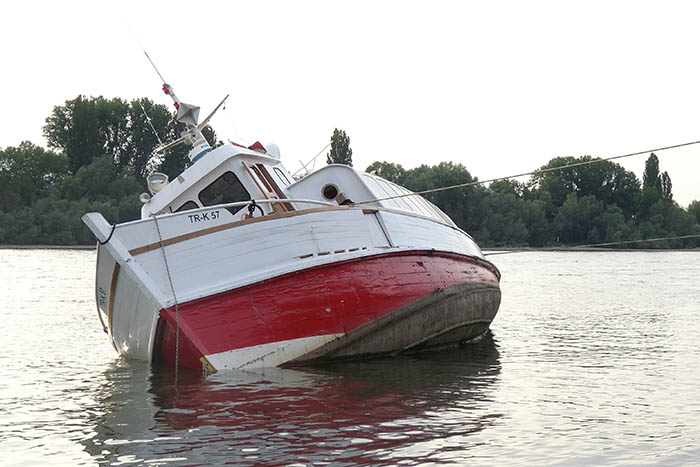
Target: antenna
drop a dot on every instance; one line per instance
(148, 119)
(154, 66)
(189, 115)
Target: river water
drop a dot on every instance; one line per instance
(593, 359)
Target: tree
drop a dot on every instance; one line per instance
(387, 170)
(513, 187)
(86, 128)
(607, 181)
(458, 203)
(26, 173)
(694, 209)
(500, 220)
(666, 186)
(651, 177)
(586, 220)
(128, 133)
(657, 186)
(340, 153)
(145, 116)
(555, 185)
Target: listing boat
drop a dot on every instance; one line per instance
(234, 265)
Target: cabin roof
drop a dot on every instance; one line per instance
(200, 169)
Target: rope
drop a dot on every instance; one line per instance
(590, 245)
(639, 241)
(538, 171)
(172, 289)
(114, 226)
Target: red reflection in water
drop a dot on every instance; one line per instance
(353, 412)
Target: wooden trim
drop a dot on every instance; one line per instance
(231, 225)
(269, 181)
(264, 192)
(112, 290)
(281, 215)
(264, 181)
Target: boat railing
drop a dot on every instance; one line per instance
(245, 203)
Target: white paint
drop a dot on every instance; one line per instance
(268, 355)
(249, 253)
(134, 319)
(202, 263)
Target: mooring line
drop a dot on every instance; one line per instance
(172, 289)
(538, 171)
(591, 245)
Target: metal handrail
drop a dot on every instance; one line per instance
(246, 203)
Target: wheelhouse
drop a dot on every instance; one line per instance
(232, 174)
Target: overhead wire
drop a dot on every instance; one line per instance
(533, 172)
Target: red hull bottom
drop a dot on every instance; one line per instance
(378, 304)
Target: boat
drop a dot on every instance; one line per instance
(234, 264)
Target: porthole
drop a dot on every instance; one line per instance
(329, 191)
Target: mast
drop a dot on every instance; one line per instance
(189, 115)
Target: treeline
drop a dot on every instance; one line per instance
(586, 204)
(100, 154)
(101, 150)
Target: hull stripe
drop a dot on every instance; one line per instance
(320, 302)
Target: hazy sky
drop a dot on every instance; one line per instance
(500, 86)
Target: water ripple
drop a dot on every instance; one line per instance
(593, 360)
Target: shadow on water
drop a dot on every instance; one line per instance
(351, 412)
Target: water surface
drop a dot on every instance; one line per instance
(593, 359)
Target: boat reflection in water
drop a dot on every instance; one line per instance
(421, 408)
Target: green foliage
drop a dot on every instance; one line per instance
(341, 153)
(694, 210)
(52, 221)
(512, 187)
(388, 170)
(596, 203)
(502, 220)
(460, 203)
(26, 173)
(105, 149)
(666, 186)
(605, 180)
(87, 128)
(651, 176)
(588, 220)
(100, 181)
(54, 218)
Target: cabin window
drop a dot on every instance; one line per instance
(187, 206)
(225, 189)
(283, 178)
